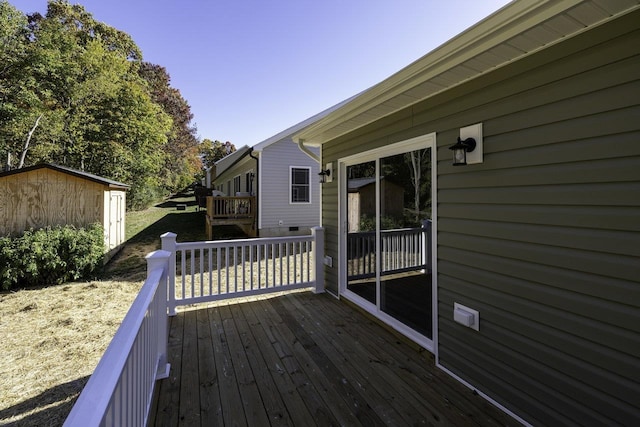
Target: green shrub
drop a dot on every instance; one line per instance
(50, 256)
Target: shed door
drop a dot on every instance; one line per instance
(116, 219)
(387, 238)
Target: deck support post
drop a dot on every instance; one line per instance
(317, 251)
(169, 244)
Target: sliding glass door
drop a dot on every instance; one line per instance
(387, 199)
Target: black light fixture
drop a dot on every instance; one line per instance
(460, 150)
(324, 174)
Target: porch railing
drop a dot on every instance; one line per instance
(221, 207)
(120, 391)
(401, 250)
(217, 270)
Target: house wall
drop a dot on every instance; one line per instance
(241, 168)
(276, 159)
(45, 197)
(543, 238)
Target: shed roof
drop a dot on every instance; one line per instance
(519, 29)
(80, 174)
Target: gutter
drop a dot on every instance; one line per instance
(306, 151)
(257, 190)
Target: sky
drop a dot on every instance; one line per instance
(250, 69)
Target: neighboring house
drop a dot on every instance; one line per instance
(538, 236)
(49, 195)
(283, 178)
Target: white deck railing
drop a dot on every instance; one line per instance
(120, 391)
(401, 250)
(224, 269)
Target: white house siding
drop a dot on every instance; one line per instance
(277, 214)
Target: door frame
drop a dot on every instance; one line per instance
(419, 142)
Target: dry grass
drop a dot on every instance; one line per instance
(52, 340)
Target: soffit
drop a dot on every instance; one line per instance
(519, 29)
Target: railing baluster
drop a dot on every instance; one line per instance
(218, 263)
(183, 270)
(235, 267)
(273, 264)
(201, 272)
(226, 267)
(191, 271)
(210, 266)
(288, 263)
(251, 266)
(244, 268)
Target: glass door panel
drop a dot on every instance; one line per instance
(361, 230)
(404, 195)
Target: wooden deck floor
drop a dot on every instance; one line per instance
(304, 360)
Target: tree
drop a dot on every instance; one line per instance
(182, 162)
(418, 162)
(212, 151)
(75, 91)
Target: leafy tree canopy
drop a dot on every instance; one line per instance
(75, 91)
(212, 151)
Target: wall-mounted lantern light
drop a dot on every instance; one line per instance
(468, 149)
(460, 150)
(252, 176)
(325, 174)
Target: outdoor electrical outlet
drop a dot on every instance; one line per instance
(466, 316)
(280, 222)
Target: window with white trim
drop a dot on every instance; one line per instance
(236, 185)
(300, 184)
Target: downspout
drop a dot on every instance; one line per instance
(308, 152)
(257, 190)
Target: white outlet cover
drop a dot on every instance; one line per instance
(466, 316)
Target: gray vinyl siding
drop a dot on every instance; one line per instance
(241, 168)
(543, 238)
(275, 189)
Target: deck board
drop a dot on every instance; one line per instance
(304, 359)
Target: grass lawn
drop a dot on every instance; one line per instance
(53, 337)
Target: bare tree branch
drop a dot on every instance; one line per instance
(26, 144)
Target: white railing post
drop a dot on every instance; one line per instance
(169, 244)
(156, 260)
(426, 243)
(317, 252)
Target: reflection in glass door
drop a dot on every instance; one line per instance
(388, 236)
(361, 231)
(405, 209)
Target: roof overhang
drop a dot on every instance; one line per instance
(230, 160)
(519, 29)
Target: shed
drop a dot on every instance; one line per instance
(362, 200)
(49, 195)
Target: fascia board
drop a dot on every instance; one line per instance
(504, 24)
